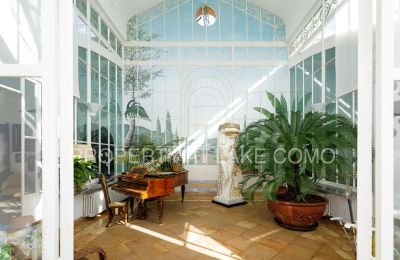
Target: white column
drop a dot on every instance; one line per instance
(364, 144)
(66, 83)
(384, 130)
(50, 136)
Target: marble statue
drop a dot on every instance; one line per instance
(228, 190)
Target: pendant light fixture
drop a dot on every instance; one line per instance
(206, 16)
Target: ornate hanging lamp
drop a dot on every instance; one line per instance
(206, 16)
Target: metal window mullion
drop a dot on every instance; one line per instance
(88, 94)
(23, 111)
(355, 123)
(108, 116)
(337, 150)
(323, 65)
(303, 81)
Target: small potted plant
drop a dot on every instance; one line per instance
(176, 162)
(84, 171)
(287, 154)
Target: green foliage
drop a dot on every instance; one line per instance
(264, 149)
(5, 252)
(83, 172)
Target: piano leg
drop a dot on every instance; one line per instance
(183, 192)
(142, 214)
(132, 203)
(160, 203)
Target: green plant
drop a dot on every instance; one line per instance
(83, 172)
(288, 154)
(5, 252)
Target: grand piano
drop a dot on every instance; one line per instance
(137, 184)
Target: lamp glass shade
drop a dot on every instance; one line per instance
(206, 16)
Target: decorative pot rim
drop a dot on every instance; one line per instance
(288, 203)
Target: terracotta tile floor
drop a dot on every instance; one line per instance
(199, 229)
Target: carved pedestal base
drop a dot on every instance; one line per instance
(229, 203)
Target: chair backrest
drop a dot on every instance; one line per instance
(105, 190)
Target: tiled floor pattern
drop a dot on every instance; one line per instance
(199, 229)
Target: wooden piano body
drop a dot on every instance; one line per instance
(145, 188)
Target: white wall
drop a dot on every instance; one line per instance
(202, 172)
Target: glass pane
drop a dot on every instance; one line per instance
(104, 30)
(253, 29)
(345, 106)
(307, 84)
(81, 121)
(299, 87)
(81, 26)
(20, 32)
(239, 25)
(21, 213)
(267, 32)
(94, 135)
(104, 91)
(82, 6)
(94, 18)
(95, 87)
(103, 67)
(82, 52)
(32, 113)
(82, 80)
(112, 97)
(186, 21)
(225, 26)
(119, 48)
(95, 61)
(157, 29)
(144, 33)
(171, 25)
(112, 40)
(317, 79)
(330, 71)
(293, 89)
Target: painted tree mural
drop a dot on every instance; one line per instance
(168, 129)
(138, 82)
(158, 135)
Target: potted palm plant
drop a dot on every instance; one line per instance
(287, 154)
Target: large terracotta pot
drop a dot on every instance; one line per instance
(297, 216)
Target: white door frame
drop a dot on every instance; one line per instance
(57, 46)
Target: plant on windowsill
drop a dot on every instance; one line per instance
(84, 171)
(288, 154)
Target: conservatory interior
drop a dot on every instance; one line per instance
(206, 129)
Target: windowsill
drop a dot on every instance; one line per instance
(339, 191)
(93, 187)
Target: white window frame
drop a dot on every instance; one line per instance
(386, 74)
